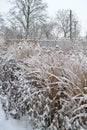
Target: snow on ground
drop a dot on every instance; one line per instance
(12, 124)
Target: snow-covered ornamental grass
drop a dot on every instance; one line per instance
(47, 86)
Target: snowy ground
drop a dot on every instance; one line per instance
(12, 124)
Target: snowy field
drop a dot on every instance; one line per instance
(43, 88)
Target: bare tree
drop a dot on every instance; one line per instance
(47, 29)
(63, 22)
(27, 12)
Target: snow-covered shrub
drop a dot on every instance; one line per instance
(23, 49)
(48, 86)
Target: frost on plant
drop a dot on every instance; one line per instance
(50, 87)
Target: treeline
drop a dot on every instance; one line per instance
(28, 19)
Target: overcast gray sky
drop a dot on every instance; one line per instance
(78, 6)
